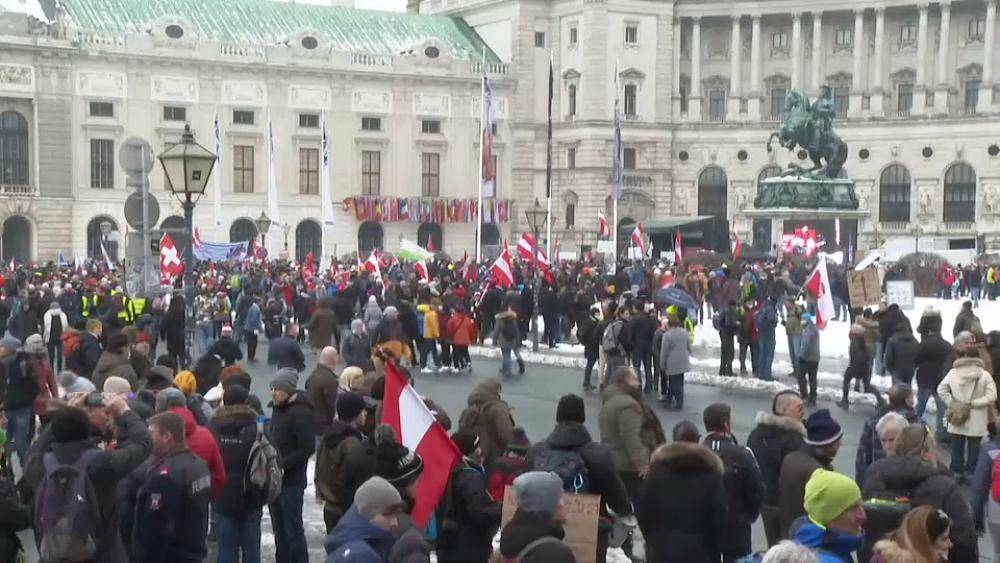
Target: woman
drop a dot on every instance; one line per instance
(969, 392)
(629, 427)
(675, 361)
(55, 323)
(172, 329)
(48, 389)
(923, 537)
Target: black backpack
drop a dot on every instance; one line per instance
(569, 465)
(884, 515)
(508, 328)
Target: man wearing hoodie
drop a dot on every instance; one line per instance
(535, 533)
(293, 428)
(489, 417)
(202, 443)
(834, 523)
(365, 533)
(341, 443)
(900, 354)
(933, 355)
(778, 434)
(468, 516)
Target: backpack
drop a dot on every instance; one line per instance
(471, 417)
(508, 328)
(528, 549)
(262, 476)
(610, 339)
(71, 352)
(569, 465)
(884, 516)
(67, 513)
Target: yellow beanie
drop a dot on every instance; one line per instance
(828, 495)
(186, 382)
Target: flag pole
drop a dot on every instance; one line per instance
(548, 171)
(482, 151)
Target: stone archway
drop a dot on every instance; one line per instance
(16, 239)
(636, 205)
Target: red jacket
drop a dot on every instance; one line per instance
(201, 442)
(462, 330)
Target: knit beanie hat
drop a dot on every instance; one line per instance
(186, 382)
(822, 429)
(73, 383)
(520, 444)
(538, 491)
(828, 495)
(349, 406)
(376, 496)
(34, 344)
(395, 462)
(169, 398)
(390, 313)
(117, 385)
(10, 343)
(287, 379)
(466, 440)
(571, 409)
(235, 395)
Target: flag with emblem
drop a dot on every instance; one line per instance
(818, 284)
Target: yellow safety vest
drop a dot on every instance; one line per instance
(125, 315)
(137, 307)
(86, 305)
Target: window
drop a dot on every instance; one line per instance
(371, 124)
(713, 190)
(102, 109)
(572, 100)
(243, 117)
(431, 185)
(573, 35)
(494, 129)
(960, 193)
(632, 34)
(971, 94)
(779, 40)
(371, 172)
(908, 33)
(243, 168)
(905, 98)
(539, 39)
(571, 158)
(309, 120)
(894, 194)
(778, 102)
(308, 239)
(717, 104)
(308, 171)
(174, 113)
(631, 90)
(841, 100)
(102, 163)
(843, 37)
(977, 29)
(628, 158)
(430, 127)
(570, 215)
(13, 148)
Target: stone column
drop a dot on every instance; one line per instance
(676, 77)
(694, 99)
(857, 84)
(985, 102)
(877, 91)
(756, 88)
(920, 88)
(941, 90)
(735, 58)
(796, 50)
(817, 50)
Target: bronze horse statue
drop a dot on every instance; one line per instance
(808, 127)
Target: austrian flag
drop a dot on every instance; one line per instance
(818, 284)
(502, 271)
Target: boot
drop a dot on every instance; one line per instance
(520, 366)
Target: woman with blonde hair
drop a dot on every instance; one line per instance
(923, 537)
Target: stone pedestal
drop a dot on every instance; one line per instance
(804, 192)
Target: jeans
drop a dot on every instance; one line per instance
(640, 359)
(754, 349)
(675, 390)
(235, 535)
(251, 345)
(286, 520)
(807, 369)
(728, 351)
(794, 346)
(505, 362)
(553, 334)
(428, 346)
(589, 371)
(923, 395)
(56, 355)
(19, 423)
(204, 337)
(867, 381)
(879, 367)
(960, 464)
(975, 292)
(766, 345)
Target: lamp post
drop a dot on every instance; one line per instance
(263, 225)
(536, 216)
(187, 166)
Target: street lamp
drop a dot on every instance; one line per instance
(263, 225)
(536, 216)
(286, 228)
(187, 166)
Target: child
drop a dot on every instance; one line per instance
(463, 333)
(508, 467)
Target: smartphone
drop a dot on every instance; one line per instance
(94, 400)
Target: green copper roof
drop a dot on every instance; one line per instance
(264, 22)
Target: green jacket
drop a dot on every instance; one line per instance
(793, 320)
(628, 430)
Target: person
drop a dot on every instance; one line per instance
(728, 327)
(808, 358)
(881, 429)
(933, 354)
(226, 348)
(629, 428)
(201, 442)
(640, 332)
(365, 533)
(70, 382)
(789, 552)
(766, 321)
(55, 322)
(341, 442)
(469, 517)
(371, 315)
(748, 337)
(294, 432)
(501, 473)
(969, 387)
(589, 333)
(794, 314)
(615, 342)
(68, 439)
(356, 347)
(570, 444)
(507, 337)
(322, 325)
(89, 352)
(823, 438)
(322, 388)
(464, 332)
(14, 515)
(19, 395)
(985, 508)
(431, 332)
(285, 351)
(166, 499)
(535, 533)
(401, 467)
(966, 320)
(900, 354)
(253, 326)
(859, 366)
(237, 513)
(744, 485)
(834, 519)
(913, 471)
(115, 361)
(777, 434)
(924, 537)
(675, 361)
(489, 417)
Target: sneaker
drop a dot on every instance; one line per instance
(426, 370)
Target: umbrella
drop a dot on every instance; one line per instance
(674, 295)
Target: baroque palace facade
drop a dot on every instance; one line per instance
(703, 85)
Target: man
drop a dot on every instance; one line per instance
(89, 351)
(166, 499)
(743, 482)
(778, 434)
(356, 347)
(900, 354)
(569, 445)
(871, 446)
(321, 388)
(365, 534)
(834, 526)
(336, 464)
(285, 351)
(933, 355)
(541, 513)
(808, 359)
(21, 389)
(728, 326)
(69, 439)
(507, 337)
(966, 320)
(200, 441)
(766, 321)
(226, 348)
(489, 417)
(823, 436)
(793, 329)
(615, 343)
(293, 429)
(589, 334)
(322, 325)
(640, 330)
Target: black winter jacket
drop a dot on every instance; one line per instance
(235, 429)
(228, 350)
(640, 329)
(796, 470)
(90, 353)
(933, 354)
(293, 427)
(14, 517)
(774, 438)
(470, 517)
(744, 492)
(901, 354)
(22, 385)
(332, 471)
(285, 352)
(526, 527)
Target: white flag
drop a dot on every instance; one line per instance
(272, 180)
(217, 185)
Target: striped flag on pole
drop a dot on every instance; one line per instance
(217, 179)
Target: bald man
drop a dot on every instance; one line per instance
(321, 388)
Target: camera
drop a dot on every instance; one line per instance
(94, 400)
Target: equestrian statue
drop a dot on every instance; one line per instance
(809, 127)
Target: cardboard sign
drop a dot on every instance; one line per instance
(900, 293)
(863, 287)
(581, 524)
(606, 247)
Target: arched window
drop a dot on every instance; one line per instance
(713, 194)
(13, 148)
(370, 237)
(768, 172)
(102, 229)
(16, 239)
(308, 238)
(491, 235)
(427, 233)
(894, 194)
(960, 193)
(175, 227)
(242, 230)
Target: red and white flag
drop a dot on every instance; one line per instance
(373, 266)
(502, 271)
(430, 244)
(602, 220)
(421, 267)
(818, 284)
(418, 430)
(639, 238)
(526, 250)
(678, 248)
(309, 270)
(170, 262)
